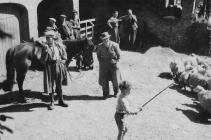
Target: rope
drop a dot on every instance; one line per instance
(80, 75)
(157, 95)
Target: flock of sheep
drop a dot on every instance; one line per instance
(195, 74)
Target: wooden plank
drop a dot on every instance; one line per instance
(84, 28)
(88, 20)
(88, 33)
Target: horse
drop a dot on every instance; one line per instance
(28, 55)
(20, 58)
(82, 51)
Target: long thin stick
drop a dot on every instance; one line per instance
(157, 95)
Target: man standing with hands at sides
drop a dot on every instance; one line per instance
(113, 23)
(131, 25)
(54, 57)
(108, 54)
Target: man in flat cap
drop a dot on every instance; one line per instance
(54, 57)
(65, 29)
(52, 27)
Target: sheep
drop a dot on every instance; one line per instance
(183, 79)
(204, 97)
(191, 72)
(176, 68)
(196, 79)
(190, 62)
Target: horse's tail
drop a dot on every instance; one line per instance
(7, 84)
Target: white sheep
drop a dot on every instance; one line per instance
(204, 97)
(196, 79)
(183, 79)
(190, 62)
(176, 68)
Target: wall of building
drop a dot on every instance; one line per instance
(31, 6)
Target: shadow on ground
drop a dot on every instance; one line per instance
(35, 100)
(26, 107)
(196, 113)
(85, 97)
(165, 75)
(184, 92)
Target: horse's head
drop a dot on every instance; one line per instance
(88, 52)
(38, 48)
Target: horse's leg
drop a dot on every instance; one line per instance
(21, 74)
(69, 59)
(79, 62)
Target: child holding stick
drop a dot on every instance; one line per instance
(123, 107)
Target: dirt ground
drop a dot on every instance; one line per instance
(173, 115)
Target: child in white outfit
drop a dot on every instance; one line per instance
(123, 107)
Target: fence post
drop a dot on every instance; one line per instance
(86, 29)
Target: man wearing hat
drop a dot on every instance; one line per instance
(75, 24)
(65, 29)
(113, 23)
(54, 57)
(108, 54)
(52, 27)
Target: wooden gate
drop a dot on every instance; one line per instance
(87, 30)
(9, 23)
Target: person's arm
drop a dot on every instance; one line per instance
(45, 56)
(64, 56)
(109, 23)
(73, 26)
(134, 18)
(98, 54)
(117, 51)
(128, 108)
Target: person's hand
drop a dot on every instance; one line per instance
(140, 109)
(45, 46)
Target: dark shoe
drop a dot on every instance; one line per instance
(63, 104)
(51, 106)
(105, 96)
(115, 93)
(22, 99)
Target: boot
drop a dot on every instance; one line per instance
(116, 90)
(61, 101)
(51, 105)
(105, 93)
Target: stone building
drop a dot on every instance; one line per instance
(24, 19)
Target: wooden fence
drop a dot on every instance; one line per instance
(87, 28)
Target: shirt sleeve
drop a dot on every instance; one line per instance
(117, 50)
(128, 108)
(135, 19)
(109, 22)
(98, 53)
